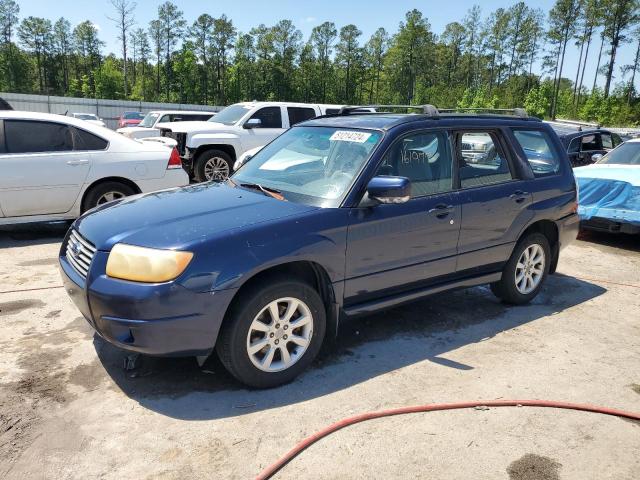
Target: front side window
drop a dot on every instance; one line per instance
(26, 136)
(540, 154)
(626, 154)
(299, 114)
(423, 158)
(311, 165)
(270, 117)
(481, 161)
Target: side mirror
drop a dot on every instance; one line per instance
(252, 123)
(389, 189)
(596, 157)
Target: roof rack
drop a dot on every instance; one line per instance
(518, 112)
(425, 109)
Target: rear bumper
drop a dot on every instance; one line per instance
(176, 177)
(568, 228)
(157, 319)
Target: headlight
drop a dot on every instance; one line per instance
(149, 265)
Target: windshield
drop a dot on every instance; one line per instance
(132, 115)
(86, 116)
(312, 165)
(626, 154)
(231, 114)
(149, 120)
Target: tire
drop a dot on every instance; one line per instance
(104, 192)
(213, 165)
(515, 292)
(237, 335)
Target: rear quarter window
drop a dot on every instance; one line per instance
(84, 140)
(539, 150)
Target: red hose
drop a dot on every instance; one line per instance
(295, 451)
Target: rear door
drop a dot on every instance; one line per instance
(493, 199)
(582, 149)
(396, 247)
(271, 126)
(41, 174)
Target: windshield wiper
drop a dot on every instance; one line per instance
(271, 192)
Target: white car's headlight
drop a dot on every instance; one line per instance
(149, 265)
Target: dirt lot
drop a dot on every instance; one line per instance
(68, 409)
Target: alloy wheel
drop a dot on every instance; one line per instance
(280, 334)
(109, 197)
(216, 169)
(530, 269)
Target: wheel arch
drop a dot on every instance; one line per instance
(226, 148)
(100, 181)
(549, 229)
(307, 271)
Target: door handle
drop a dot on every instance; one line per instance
(77, 162)
(441, 210)
(519, 196)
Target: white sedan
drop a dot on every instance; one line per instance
(89, 117)
(56, 167)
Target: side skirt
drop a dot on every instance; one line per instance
(406, 297)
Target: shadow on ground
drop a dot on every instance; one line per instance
(365, 348)
(32, 234)
(616, 240)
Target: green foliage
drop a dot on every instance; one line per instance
(480, 61)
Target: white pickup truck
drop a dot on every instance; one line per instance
(209, 149)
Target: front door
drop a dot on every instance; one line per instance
(271, 126)
(41, 174)
(391, 248)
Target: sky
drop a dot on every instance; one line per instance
(368, 15)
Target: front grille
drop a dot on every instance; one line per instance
(179, 137)
(79, 253)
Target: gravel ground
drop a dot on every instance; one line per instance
(68, 409)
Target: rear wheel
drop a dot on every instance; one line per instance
(213, 165)
(526, 270)
(272, 333)
(104, 193)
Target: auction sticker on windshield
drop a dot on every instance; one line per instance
(350, 136)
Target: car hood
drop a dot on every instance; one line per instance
(604, 171)
(182, 217)
(197, 127)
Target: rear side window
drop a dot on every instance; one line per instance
(607, 141)
(423, 158)
(300, 114)
(540, 154)
(269, 116)
(481, 161)
(88, 141)
(26, 136)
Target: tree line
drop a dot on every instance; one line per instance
(506, 58)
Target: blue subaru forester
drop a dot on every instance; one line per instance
(340, 216)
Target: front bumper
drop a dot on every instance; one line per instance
(157, 319)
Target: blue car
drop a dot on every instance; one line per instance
(340, 216)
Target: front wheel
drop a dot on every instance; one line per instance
(272, 333)
(525, 272)
(213, 165)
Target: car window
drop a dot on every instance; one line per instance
(26, 136)
(616, 139)
(166, 118)
(537, 147)
(331, 111)
(626, 154)
(607, 141)
(84, 140)
(574, 146)
(590, 142)
(269, 116)
(299, 114)
(132, 116)
(481, 161)
(425, 159)
(192, 117)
